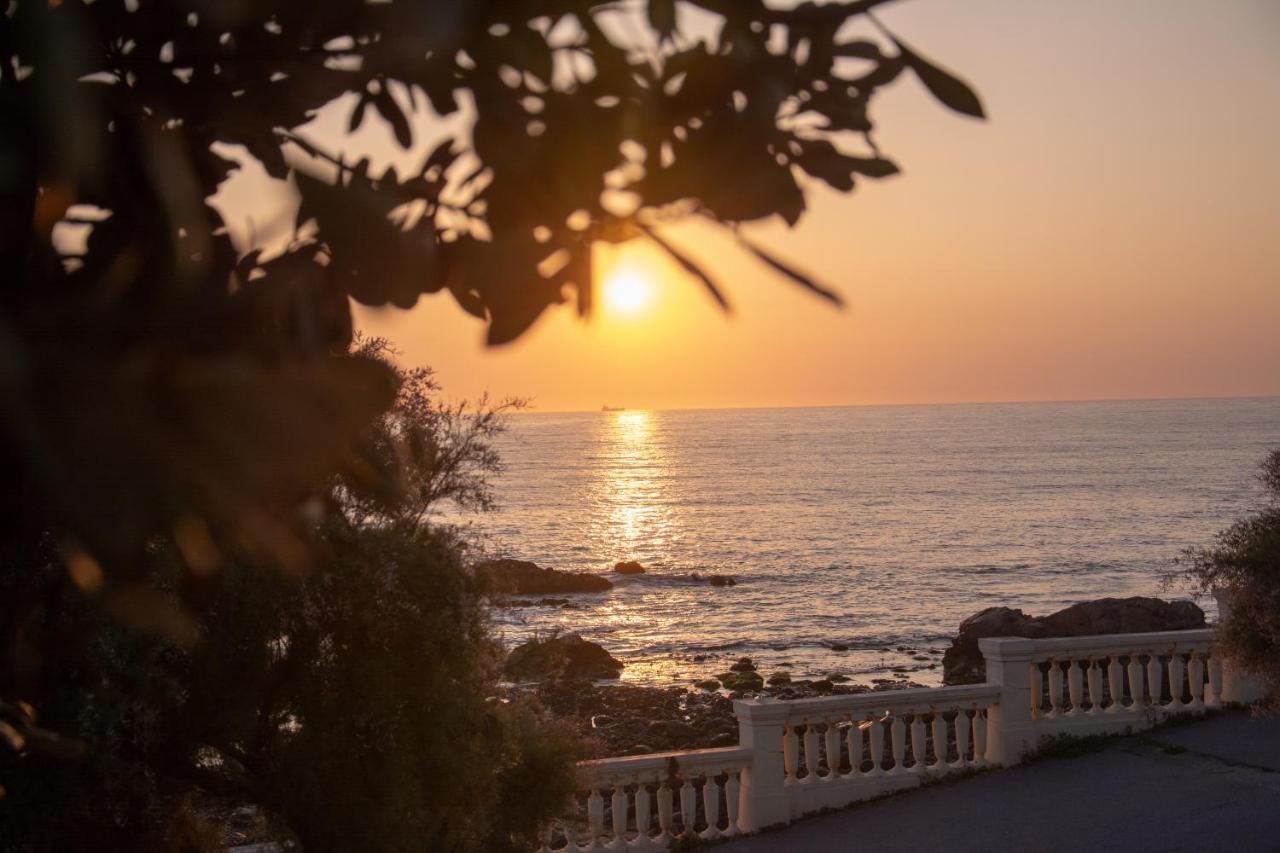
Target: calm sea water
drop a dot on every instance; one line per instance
(879, 528)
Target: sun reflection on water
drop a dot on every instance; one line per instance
(634, 516)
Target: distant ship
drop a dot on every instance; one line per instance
(612, 409)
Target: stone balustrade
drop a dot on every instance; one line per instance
(799, 757)
(654, 799)
(1096, 685)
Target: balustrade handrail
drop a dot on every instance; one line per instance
(912, 700)
(1004, 648)
(652, 766)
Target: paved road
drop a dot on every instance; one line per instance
(1207, 786)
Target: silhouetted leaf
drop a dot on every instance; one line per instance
(662, 17)
(792, 273)
(391, 112)
(874, 167)
(690, 267)
(945, 86)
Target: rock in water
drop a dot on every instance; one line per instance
(567, 655)
(963, 662)
(521, 577)
(629, 567)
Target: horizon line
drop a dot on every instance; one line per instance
(533, 410)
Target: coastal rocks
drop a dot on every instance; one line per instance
(715, 580)
(629, 567)
(521, 577)
(567, 656)
(963, 663)
(743, 665)
(741, 680)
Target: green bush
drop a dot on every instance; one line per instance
(1244, 565)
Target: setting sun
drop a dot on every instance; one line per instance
(627, 292)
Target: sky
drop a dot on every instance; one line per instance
(1112, 231)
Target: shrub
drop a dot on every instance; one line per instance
(1244, 565)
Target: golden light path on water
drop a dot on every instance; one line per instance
(634, 513)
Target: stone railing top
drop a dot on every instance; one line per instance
(659, 765)
(1021, 648)
(921, 699)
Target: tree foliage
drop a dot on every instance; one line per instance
(1244, 565)
(355, 701)
(169, 387)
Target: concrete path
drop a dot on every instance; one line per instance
(1213, 785)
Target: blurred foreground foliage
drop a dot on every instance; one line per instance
(1244, 565)
(355, 701)
(191, 447)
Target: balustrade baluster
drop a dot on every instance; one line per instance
(898, 738)
(1095, 686)
(570, 838)
(1037, 689)
(1055, 688)
(963, 726)
(1155, 677)
(619, 806)
(917, 743)
(711, 804)
(1075, 687)
(853, 742)
(939, 741)
(688, 806)
(790, 753)
(643, 814)
(810, 752)
(595, 816)
(1136, 691)
(876, 736)
(1214, 700)
(732, 790)
(831, 746)
(664, 812)
(1195, 672)
(980, 737)
(1177, 681)
(1115, 682)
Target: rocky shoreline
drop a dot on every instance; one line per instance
(563, 672)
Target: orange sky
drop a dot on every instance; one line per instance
(1113, 231)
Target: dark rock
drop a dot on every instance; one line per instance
(521, 577)
(779, 679)
(722, 580)
(743, 665)
(567, 655)
(963, 663)
(839, 647)
(738, 681)
(837, 678)
(822, 685)
(671, 732)
(629, 567)
(708, 684)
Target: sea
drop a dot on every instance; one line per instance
(859, 537)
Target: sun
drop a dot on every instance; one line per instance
(627, 292)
